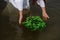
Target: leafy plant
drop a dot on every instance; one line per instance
(34, 23)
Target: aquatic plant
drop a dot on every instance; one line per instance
(34, 23)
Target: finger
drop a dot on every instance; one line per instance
(45, 18)
(48, 17)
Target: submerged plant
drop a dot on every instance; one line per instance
(34, 23)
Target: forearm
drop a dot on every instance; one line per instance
(20, 16)
(42, 5)
(43, 9)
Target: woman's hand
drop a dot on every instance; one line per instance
(45, 16)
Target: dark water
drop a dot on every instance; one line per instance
(10, 29)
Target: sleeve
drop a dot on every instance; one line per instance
(41, 3)
(18, 4)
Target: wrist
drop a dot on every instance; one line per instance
(43, 10)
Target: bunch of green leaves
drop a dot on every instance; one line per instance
(34, 23)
